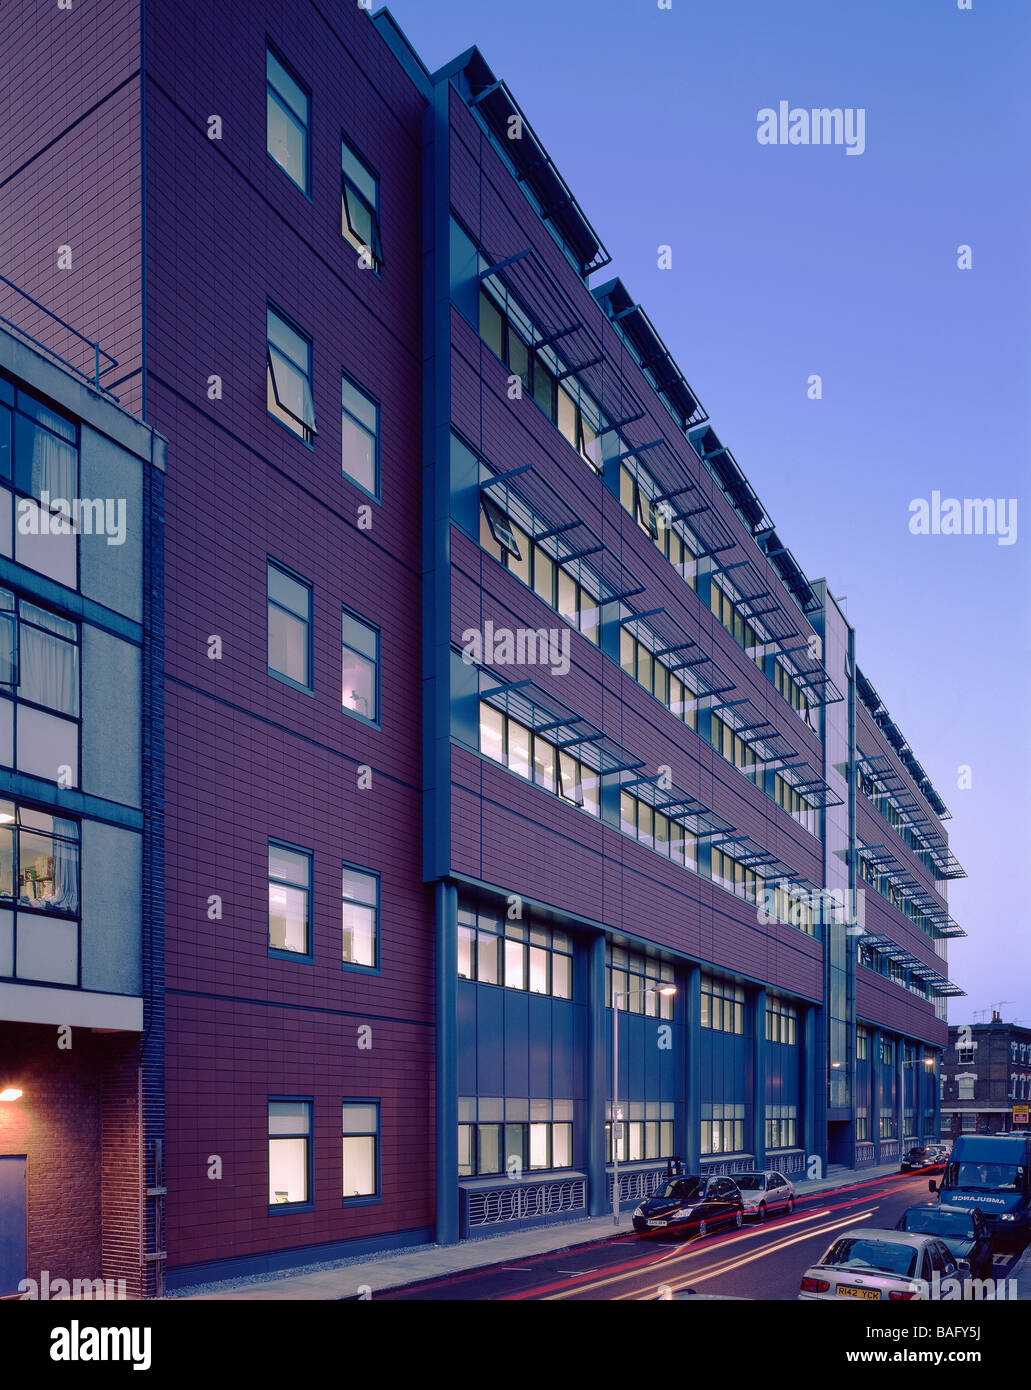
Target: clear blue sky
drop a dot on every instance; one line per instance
(795, 260)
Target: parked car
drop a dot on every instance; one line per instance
(696, 1202)
(926, 1159)
(963, 1229)
(765, 1192)
(993, 1173)
(870, 1264)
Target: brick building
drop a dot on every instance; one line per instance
(495, 706)
(986, 1078)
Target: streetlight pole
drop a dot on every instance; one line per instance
(668, 991)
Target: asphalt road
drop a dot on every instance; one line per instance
(758, 1262)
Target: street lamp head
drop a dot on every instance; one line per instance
(668, 990)
(10, 1093)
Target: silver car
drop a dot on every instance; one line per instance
(765, 1193)
(870, 1264)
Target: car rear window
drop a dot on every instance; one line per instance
(889, 1257)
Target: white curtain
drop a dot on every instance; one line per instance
(66, 866)
(49, 670)
(53, 466)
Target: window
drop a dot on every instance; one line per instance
(289, 1152)
(360, 894)
(360, 691)
(723, 1129)
(862, 1124)
(39, 459)
(781, 1022)
(360, 438)
(507, 1136)
(360, 210)
(968, 1122)
(287, 111)
(862, 1044)
(289, 626)
(39, 671)
(781, 1126)
(288, 397)
(646, 1134)
(965, 1055)
(529, 755)
(723, 1006)
(965, 1085)
(39, 895)
(638, 661)
(888, 1125)
(518, 955)
(360, 1129)
(657, 831)
(289, 893)
(635, 980)
(562, 589)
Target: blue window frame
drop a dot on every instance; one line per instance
(39, 468)
(359, 222)
(360, 1146)
(289, 627)
(288, 394)
(289, 1153)
(360, 898)
(360, 675)
(359, 449)
(289, 901)
(287, 121)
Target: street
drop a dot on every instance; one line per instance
(758, 1262)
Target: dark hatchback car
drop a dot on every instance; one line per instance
(962, 1229)
(928, 1160)
(696, 1204)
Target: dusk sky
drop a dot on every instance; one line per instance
(795, 260)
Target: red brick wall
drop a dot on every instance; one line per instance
(77, 1122)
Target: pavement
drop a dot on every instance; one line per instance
(368, 1275)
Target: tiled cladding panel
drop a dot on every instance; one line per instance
(225, 1060)
(57, 64)
(230, 787)
(492, 205)
(872, 829)
(888, 1005)
(599, 691)
(227, 512)
(871, 741)
(520, 839)
(81, 192)
(238, 194)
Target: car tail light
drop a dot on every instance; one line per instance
(903, 1296)
(814, 1285)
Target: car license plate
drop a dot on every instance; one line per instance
(657, 1221)
(852, 1291)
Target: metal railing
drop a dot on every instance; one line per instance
(525, 1201)
(96, 352)
(638, 1184)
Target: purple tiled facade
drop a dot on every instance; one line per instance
(183, 231)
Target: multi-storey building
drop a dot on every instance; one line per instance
(80, 846)
(986, 1078)
(499, 717)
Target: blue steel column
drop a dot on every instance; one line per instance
(900, 1085)
(597, 1072)
(875, 1092)
(446, 905)
(814, 1129)
(759, 1078)
(692, 1145)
